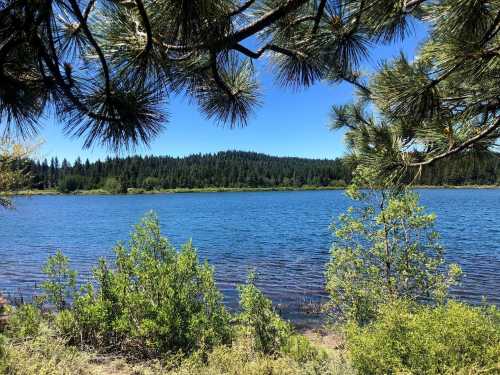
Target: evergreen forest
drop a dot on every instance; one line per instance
(235, 169)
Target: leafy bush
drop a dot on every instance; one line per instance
(154, 300)
(24, 322)
(301, 350)
(114, 186)
(385, 249)
(269, 332)
(60, 285)
(414, 339)
(47, 354)
(65, 324)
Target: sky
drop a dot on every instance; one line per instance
(288, 123)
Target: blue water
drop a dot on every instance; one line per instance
(284, 236)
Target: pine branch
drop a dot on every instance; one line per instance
(460, 147)
(88, 9)
(242, 8)
(319, 14)
(412, 4)
(356, 83)
(217, 78)
(231, 40)
(95, 45)
(147, 27)
(267, 47)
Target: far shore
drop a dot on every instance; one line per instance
(136, 191)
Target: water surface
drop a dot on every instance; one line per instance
(284, 236)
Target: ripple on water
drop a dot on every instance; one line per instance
(284, 236)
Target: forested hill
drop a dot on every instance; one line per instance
(234, 169)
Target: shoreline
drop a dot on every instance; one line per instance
(137, 191)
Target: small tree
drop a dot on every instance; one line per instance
(114, 186)
(269, 332)
(385, 249)
(60, 285)
(13, 171)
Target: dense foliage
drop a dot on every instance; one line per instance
(234, 169)
(157, 303)
(409, 339)
(162, 304)
(385, 249)
(108, 68)
(443, 103)
(224, 169)
(152, 300)
(14, 167)
(60, 284)
(269, 331)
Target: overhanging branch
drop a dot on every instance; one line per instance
(242, 8)
(460, 147)
(147, 27)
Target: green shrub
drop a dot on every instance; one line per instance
(114, 186)
(24, 322)
(60, 285)
(269, 332)
(66, 324)
(301, 350)
(153, 300)
(48, 355)
(413, 339)
(385, 248)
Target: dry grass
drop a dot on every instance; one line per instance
(48, 355)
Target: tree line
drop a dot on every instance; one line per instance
(233, 169)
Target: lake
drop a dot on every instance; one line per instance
(284, 236)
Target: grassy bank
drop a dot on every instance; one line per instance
(175, 191)
(48, 353)
(136, 191)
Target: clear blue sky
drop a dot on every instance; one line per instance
(289, 123)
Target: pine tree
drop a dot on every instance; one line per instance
(444, 103)
(138, 52)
